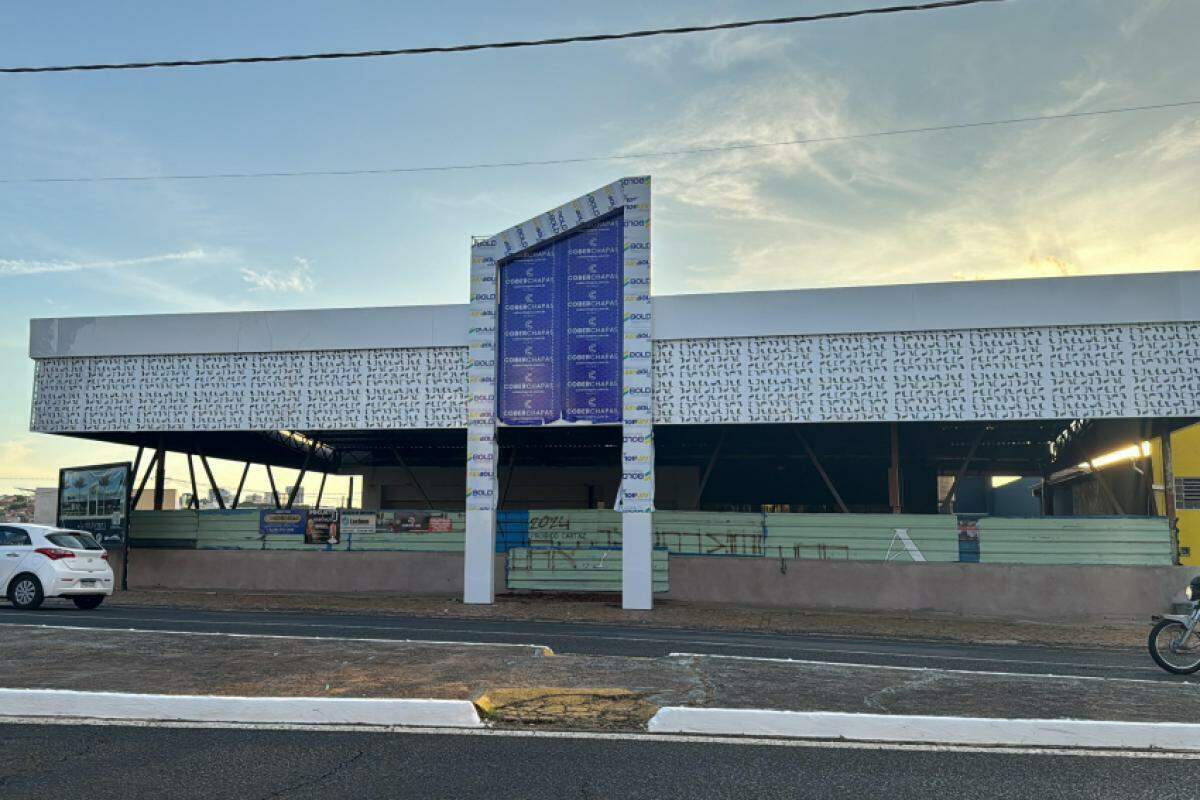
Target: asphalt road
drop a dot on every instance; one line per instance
(596, 639)
(130, 763)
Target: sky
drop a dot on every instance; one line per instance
(1084, 196)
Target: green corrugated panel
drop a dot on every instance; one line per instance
(175, 526)
(594, 570)
(861, 537)
(209, 544)
(1077, 540)
(574, 528)
(298, 543)
(229, 530)
(155, 521)
(708, 533)
(429, 548)
(164, 544)
(871, 521)
(432, 542)
(229, 521)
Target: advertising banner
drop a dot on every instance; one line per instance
(95, 499)
(279, 522)
(531, 338)
(322, 526)
(594, 323)
(358, 522)
(560, 330)
(412, 521)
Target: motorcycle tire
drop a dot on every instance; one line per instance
(1152, 643)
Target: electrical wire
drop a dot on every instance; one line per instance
(508, 45)
(723, 148)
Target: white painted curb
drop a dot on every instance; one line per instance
(263, 710)
(928, 730)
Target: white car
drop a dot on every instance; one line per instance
(38, 561)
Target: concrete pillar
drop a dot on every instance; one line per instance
(478, 571)
(637, 565)
(636, 500)
(480, 546)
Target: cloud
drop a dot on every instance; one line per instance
(14, 451)
(1178, 142)
(758, 182)
(31, 267)
(727, 49)
(1143, 12)
(298, 280)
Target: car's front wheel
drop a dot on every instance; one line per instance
(88, 601)
(26, 592)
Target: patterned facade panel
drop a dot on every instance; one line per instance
(1164, 361)
(329, 390)
(1019, 373)
(985, 374)
(930, 375)
(854, 377)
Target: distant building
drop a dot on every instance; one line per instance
(45, 505)
(146, 501)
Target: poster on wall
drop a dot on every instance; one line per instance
(412, 522)
(282, 522)
(95, 499)
(322, 526)
(560, 330)
(357, 522)
(968, 538)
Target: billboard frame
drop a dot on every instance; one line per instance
(631, 196)
(125, 517)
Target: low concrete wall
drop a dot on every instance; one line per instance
(293, 571)
(1014, 591)
(1010, 591)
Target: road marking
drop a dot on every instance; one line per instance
(923, 729)
(799, 647)
(813, 662)
(646, 738)
(539, 648)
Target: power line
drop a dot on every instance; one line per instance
(509, 45)
(611, 157)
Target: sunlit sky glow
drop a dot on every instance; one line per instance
(1088, 196)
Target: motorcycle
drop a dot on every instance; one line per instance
(1175, 638)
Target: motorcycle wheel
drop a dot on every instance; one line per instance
(1182, 661)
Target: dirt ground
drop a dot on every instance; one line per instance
(600, 608)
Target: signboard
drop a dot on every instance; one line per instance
(358, 522)
(968, 538)
(96, 499)
(277, 522)
(560, 330)
(322, 526)
(412, 521)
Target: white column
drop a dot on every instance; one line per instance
(637, 565)
(480, 547)
(637, 419)
(480, 553)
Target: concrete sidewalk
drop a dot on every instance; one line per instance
(602, 608)
(524, 686)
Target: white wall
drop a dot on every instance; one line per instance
(1093, 300)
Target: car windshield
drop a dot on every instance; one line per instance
(74, 540)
